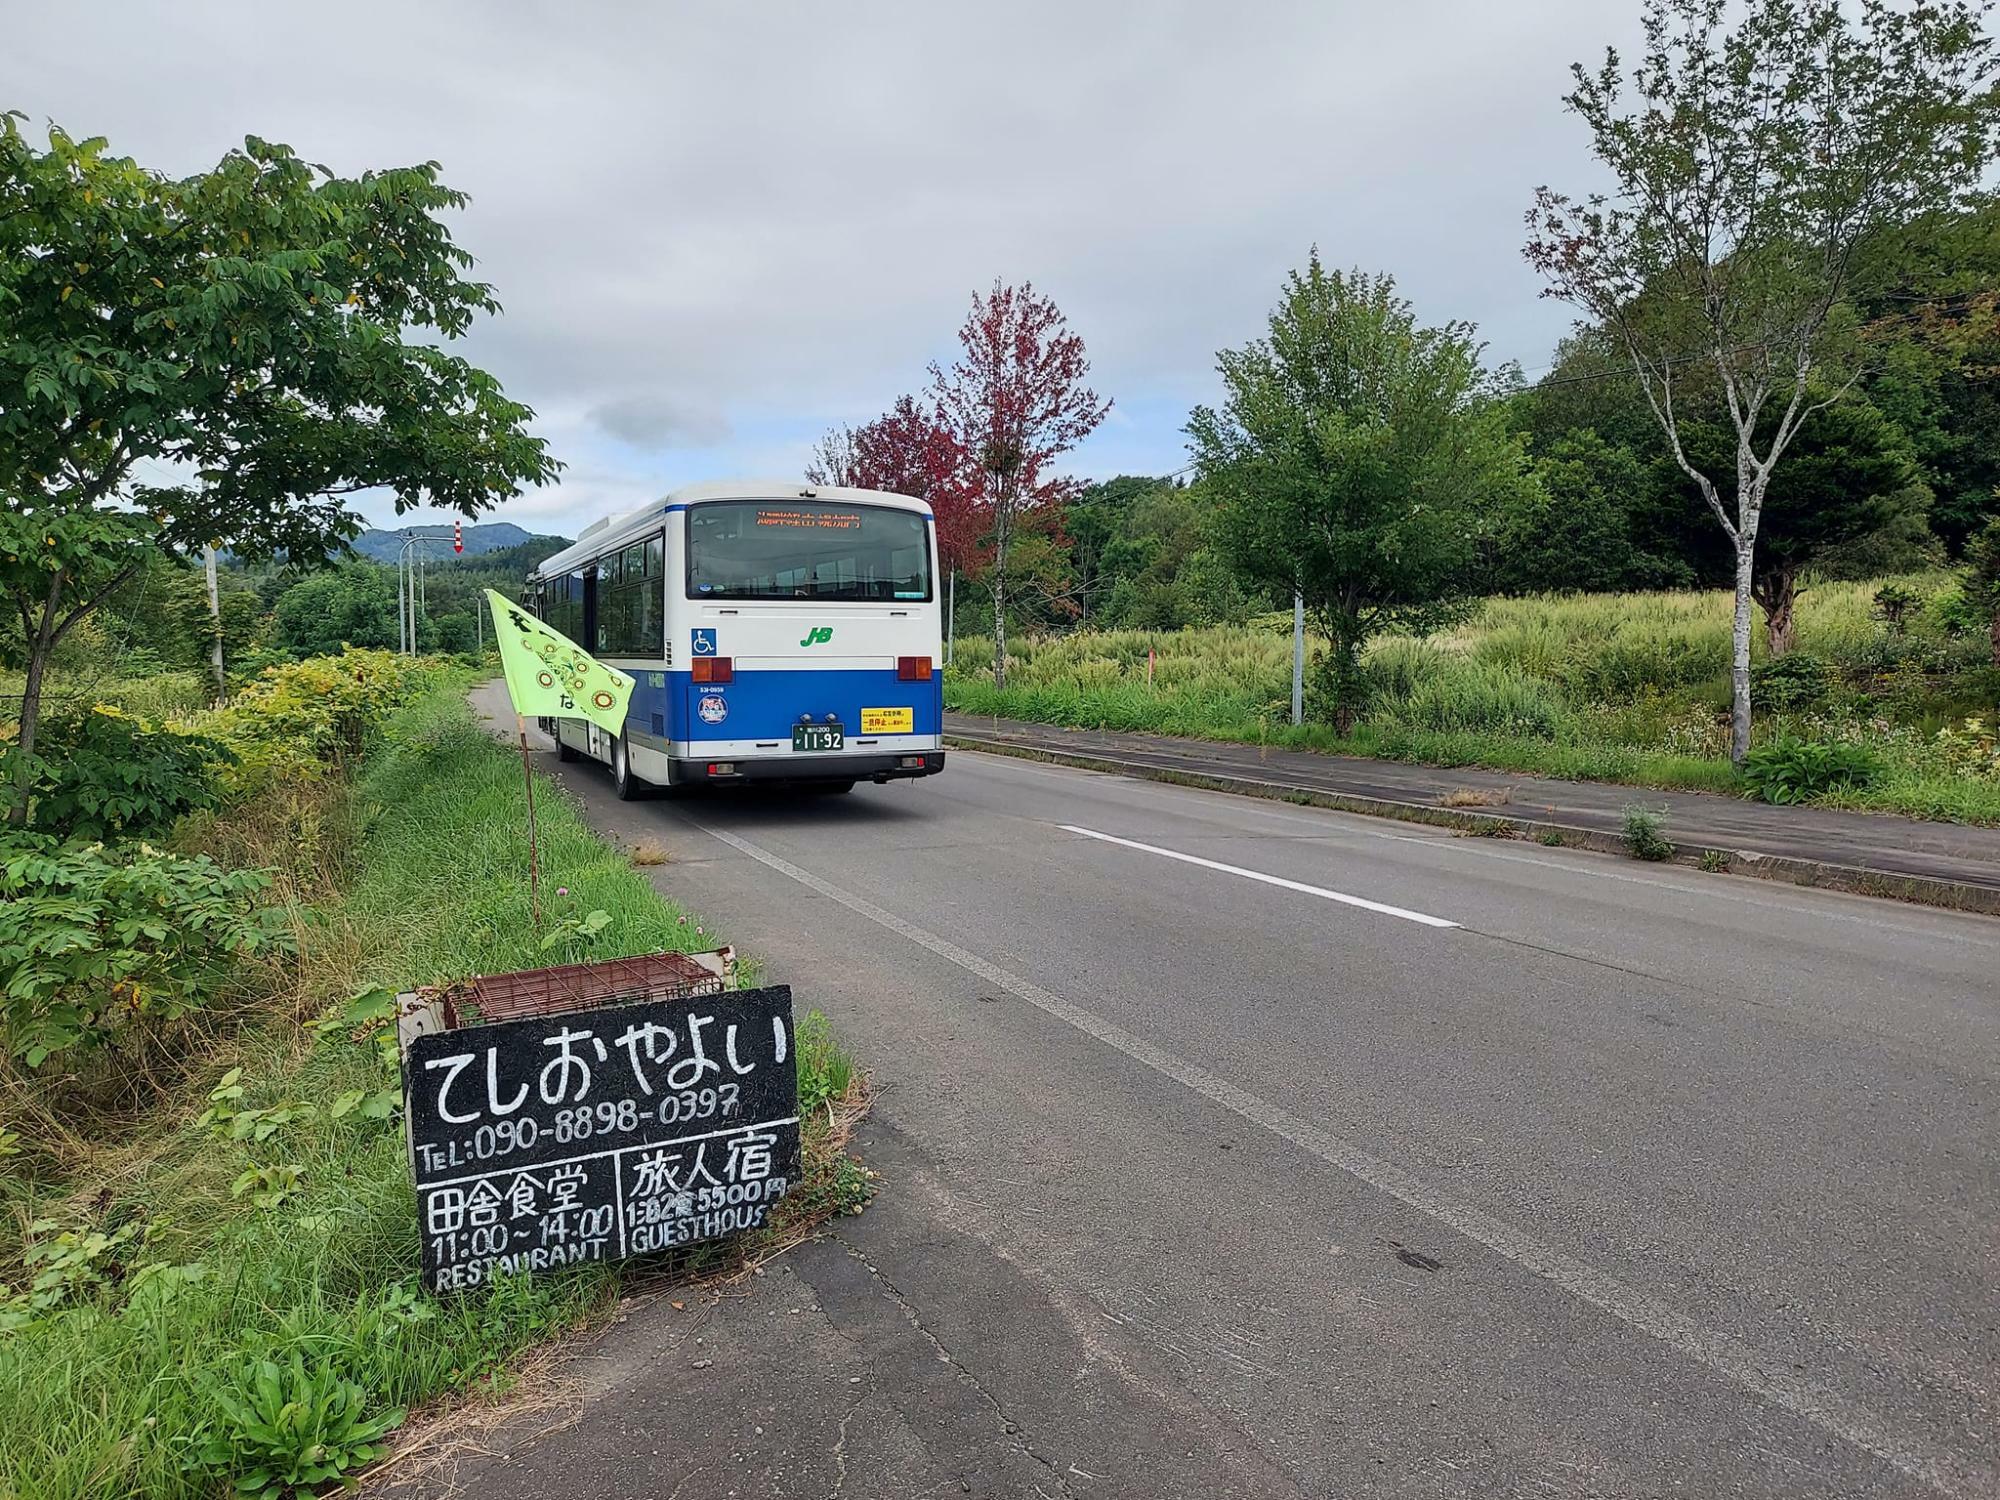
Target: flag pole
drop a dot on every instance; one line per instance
(534, 863)
(549, 674)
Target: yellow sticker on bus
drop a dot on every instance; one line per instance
(888, 720)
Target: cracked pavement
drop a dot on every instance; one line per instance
(825, 1376)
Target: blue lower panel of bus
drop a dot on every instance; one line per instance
(766, 705)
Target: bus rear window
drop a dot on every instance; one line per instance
(806, 549)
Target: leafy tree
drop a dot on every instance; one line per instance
(1350, 460)
(162, 615)
(157, 621)
(1013, 402)
(906, 451)
(1573, 528)
(1982, 581)
(353, 605)
(1589, 388)
(458, 632)
(1931, 316)
(224, 358)
(1591, 393)
(1096, 520)
(1159, 568)
(1849, 475)
(514, 562)
(1757, 159)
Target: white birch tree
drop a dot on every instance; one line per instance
(1751, 149)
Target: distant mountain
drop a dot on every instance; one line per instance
(492, 536)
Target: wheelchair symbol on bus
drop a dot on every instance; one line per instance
(704, 642)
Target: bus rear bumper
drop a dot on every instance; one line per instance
(770, 770)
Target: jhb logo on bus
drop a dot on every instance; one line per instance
(819, 635)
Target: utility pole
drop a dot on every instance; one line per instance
(410, 586)
(214, 618)
(1298, 658)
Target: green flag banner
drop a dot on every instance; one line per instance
(549, 675)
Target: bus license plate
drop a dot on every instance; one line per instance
(818, 737)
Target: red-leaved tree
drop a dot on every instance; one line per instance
(907, 452)
(1014, 400)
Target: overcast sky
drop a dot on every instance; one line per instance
(718, 229)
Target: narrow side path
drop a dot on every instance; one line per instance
(1940, 864)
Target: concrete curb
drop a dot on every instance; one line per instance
(1921, 890)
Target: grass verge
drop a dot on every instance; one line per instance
(176, 1282)
(1132, 708)
(1625, 688)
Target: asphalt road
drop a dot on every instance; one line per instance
(1233, 1148)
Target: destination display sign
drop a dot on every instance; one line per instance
(598, 1134)
(814, 520)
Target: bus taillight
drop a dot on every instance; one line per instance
(714, 669)
(913, 668)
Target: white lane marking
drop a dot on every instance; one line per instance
(1953, 926)
(1258, 875)
(1727, 1356)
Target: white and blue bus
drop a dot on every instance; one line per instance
(781, 633)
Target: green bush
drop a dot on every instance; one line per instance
(308, 719)
(286, 1428)
(1794, 770)
(1979, 688)
(1895, 602)
(1791, 684)
(1645, 834)
(93, 941)
(103, 774)
(1957, 615)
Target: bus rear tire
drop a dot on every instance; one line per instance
(566, 752)
(629, 788)
(833, 788)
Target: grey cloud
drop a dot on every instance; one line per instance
(785, 207)
(654, 421)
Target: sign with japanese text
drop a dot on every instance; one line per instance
(598, 1134)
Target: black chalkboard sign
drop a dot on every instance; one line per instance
(601, 1133)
